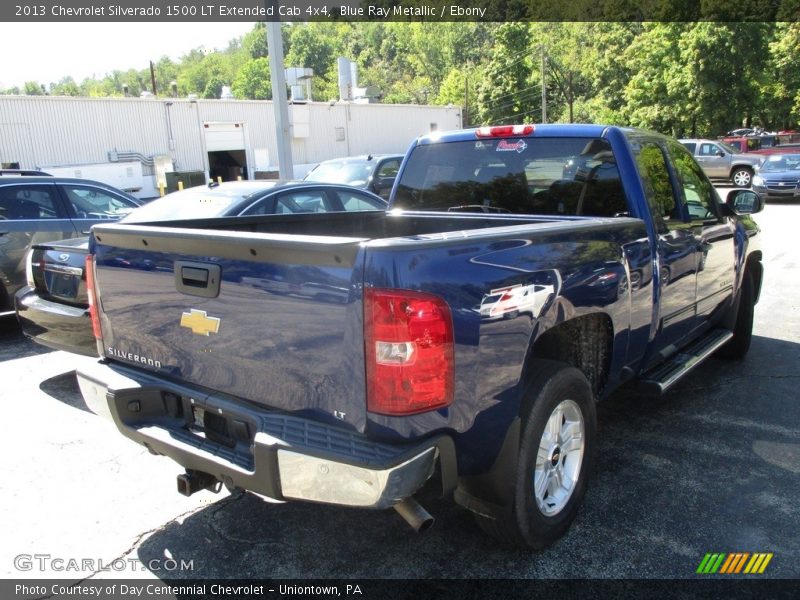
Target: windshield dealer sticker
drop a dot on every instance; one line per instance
(506, 146)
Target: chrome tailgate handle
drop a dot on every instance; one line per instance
(197, 279)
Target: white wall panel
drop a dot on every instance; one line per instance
(45, 131)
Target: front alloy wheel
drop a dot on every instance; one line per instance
(742, 177)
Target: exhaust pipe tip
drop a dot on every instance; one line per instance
(417, 517)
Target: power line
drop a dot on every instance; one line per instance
(519, 91)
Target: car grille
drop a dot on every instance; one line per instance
(782, 186)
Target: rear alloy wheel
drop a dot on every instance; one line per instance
(559, 459)
(742, 177)
(554, 460)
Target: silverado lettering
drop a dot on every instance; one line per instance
(111, 351)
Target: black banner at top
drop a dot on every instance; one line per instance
(394, 10)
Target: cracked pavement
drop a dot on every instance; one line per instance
(713, 466)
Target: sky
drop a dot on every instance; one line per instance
(48, 52)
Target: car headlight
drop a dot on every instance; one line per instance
(758, 180)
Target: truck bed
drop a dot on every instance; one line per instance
(289, 307)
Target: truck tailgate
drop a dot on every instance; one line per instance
(273, 319)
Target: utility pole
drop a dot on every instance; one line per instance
(278, 77)
(153, 77)
(544, 86)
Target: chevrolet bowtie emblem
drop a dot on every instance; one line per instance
(199, 322)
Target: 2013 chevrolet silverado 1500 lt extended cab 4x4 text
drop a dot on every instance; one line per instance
(520, 275)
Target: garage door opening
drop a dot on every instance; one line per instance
(227, 164)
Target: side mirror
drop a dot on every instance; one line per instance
(720, 153)
(744, 202)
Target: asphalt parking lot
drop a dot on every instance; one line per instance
(713, 466)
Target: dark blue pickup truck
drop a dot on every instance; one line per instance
(520, 275)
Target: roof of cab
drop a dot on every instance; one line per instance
(554, 130)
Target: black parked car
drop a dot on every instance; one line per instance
(53, 307)
(41, 208)
(373, 172)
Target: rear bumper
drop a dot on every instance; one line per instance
(274, 454)
(53, 324)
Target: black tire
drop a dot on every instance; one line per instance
(742, 177)
(525, 523)
(739, 344)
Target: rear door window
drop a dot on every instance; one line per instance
(304, 201)
(29, 202)
(354, 201)
(90, 202)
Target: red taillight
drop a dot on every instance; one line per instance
(91, 292)
(408, 340)
(504, 130)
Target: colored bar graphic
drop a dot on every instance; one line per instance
(703, 563)
(729, 562)
(741, 562)
(717, 563)
(733, 562)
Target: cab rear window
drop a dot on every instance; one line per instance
(552, 176)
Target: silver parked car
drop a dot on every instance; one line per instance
(37, 209)
(720, 161)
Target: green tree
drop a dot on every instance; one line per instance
(723, 69)
(316, 46)
(507, 93)
(783, 90)
(213, 88)
(202, 68)
(603, 70)
(33, 88)
(254, 41)
(65, 87)
(253, 81)
(656, 92)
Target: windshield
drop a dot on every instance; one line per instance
(355, 173)
(781, 162)
(193, 203)
(552, 176)
(729, 149)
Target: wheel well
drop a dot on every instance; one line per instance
(741, 167)
(584, 342)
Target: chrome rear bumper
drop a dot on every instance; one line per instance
(273, 454)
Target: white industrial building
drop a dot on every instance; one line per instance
(133, 143)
